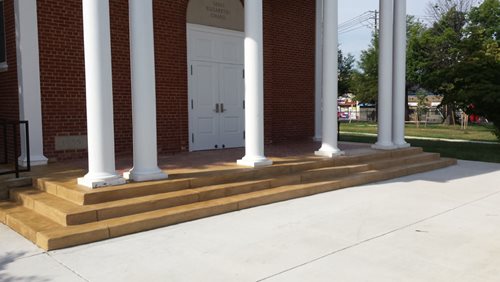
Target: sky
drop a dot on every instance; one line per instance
(357, 40)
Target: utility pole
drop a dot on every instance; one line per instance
(376, 21)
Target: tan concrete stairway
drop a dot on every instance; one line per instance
(57, 214)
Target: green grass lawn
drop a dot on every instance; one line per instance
(473, 132)
(457, 150)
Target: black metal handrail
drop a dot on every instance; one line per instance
(14, 126)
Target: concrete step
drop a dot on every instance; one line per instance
(70, 191)
(412, 159)
(67, 213)
(50, 235)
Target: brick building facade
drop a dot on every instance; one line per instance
(289, 53)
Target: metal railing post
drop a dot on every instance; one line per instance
(16, 161)
(16, 146)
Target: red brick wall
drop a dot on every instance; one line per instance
(9, 99)
(171, 75)
(289, 70)
(268, 6)
(122, 100)
(62, 73)
(293, 53)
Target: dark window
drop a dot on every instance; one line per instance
(2, 34)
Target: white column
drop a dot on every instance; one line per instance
(100, 131)
(254, 86)
(28, 78)
(385, 77)
(318, 87)
(329, 148)
(142, 66)
(399, 75)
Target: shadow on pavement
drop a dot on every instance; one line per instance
(11, 257)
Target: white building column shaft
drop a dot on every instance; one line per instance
(318, 87)
(385, 77)
(142, 65)
(329, 147)
(28, 77)
(399, 75)
(254, 86)
(98, 77)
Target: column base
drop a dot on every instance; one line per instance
(387, 147)
(329, 151)
(145, 176)
(329, 154)
(402, 145)
(255, 162)
(96, 182)
(34, 161)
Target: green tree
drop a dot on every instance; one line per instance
(365, 80)
(415, 29)
(438, 52)
(346, 72)
(477, 76)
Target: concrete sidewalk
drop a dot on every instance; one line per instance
(437, 226)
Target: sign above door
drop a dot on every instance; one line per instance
(227, 14)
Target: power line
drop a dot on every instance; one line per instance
(361, 21)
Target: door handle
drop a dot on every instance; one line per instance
(217, 108)
(222, 108)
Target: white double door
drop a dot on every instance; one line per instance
(217, 106)
(216, 88)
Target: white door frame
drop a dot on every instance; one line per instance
(217, 56)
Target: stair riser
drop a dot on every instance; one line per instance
(323, 174)
(5, 209)
(156, 222)
(404, 161)
(21, 228)
(310, 176)
(406, 152)
(145, 207)
(50, 242)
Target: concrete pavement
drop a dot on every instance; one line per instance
(438, 226)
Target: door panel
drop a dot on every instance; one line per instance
(231, 92)
(205, 95)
